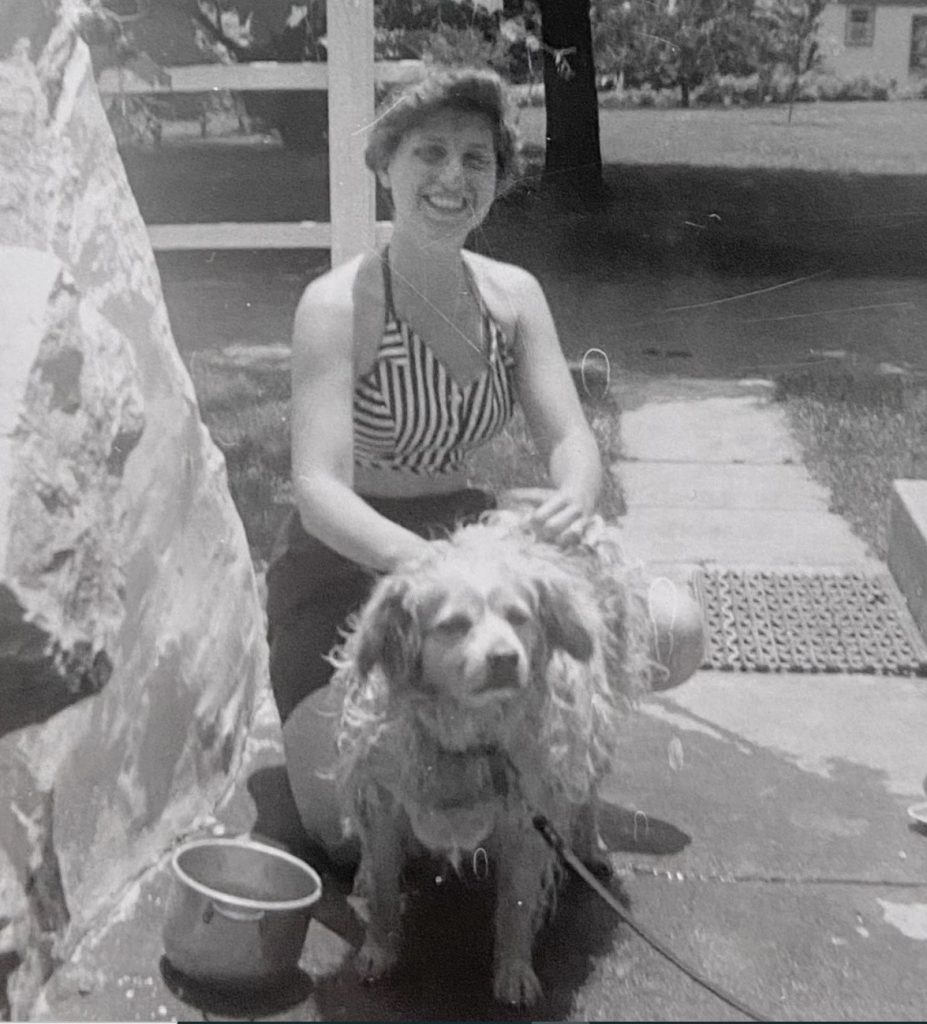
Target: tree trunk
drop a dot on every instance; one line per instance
(573, 162)
(684, 91)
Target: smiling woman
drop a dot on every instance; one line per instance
(406, 360)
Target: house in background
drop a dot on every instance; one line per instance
(887, 38)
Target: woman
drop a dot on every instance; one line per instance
(403, 361)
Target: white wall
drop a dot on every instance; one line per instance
(891, 48)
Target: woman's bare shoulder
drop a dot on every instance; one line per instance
(337, 310)
(497, 273)
(333, 289)
(508, 290)
(337, 292)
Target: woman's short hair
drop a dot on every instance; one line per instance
(470, 90)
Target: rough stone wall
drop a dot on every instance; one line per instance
(131, 633)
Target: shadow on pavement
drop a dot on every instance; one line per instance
(628, 831)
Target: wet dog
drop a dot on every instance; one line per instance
(482, 685)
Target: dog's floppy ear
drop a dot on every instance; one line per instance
(561, 620)
(388, 635)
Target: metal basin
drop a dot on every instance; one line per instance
(238, 911)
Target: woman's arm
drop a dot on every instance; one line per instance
(323, 433)
(554, 414)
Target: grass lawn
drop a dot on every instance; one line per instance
(859, 432)
(864, 138)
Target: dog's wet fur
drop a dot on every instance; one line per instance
(482, 685)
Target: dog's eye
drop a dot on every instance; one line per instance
(456, 625)
(516, 616)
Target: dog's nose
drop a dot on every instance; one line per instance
(503, 668)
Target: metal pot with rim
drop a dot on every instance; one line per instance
(238, 912)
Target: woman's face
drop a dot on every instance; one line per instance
(442, 175)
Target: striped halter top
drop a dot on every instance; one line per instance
(409, 412)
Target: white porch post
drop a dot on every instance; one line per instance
(350, 111)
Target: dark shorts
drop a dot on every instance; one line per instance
(311, 590)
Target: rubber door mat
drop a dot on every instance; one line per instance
(778, 621)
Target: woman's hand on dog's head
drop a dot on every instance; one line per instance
(553, 515)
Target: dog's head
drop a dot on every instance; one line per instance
(495, 639)
(473, 625)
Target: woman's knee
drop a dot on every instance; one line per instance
(677, 633)
(311, 752)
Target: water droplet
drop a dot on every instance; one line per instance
(676, 755)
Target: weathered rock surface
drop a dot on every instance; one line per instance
(131, 632)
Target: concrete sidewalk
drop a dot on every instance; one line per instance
(801, 886)
(712, 475)
(759, 826)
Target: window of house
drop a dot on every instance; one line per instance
(860, 26)
(919, 43)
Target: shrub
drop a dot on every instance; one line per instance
(730, 90)
(860, 87)
(644, 97)
(778, 87)
(781, 87)
(912, 91)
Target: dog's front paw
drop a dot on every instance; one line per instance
(515, 982)
(374, 960)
